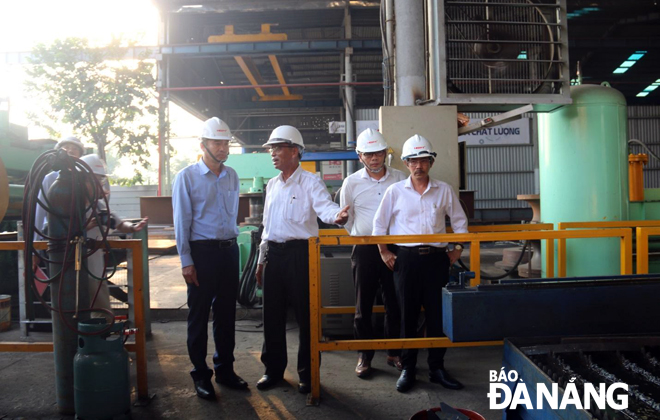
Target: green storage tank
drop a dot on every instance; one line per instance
(583, 171)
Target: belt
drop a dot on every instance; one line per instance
(294, 243)
(423, 250)
(216, 243)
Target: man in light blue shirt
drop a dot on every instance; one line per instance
(205, 202)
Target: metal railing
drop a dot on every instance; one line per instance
(136, 261)
(643, 234)
(474, 239)
(629, 224)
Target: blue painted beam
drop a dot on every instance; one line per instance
(338, 155)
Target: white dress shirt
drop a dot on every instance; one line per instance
(205, 206)
(292, 206)
(404, 211)
(363, 194)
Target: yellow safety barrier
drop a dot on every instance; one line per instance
(630, 224)
(140, 346)
(643, 234)
(474, 239)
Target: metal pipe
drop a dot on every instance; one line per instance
(295, 85)
(409, 58)
(348, 102)
(434, 49)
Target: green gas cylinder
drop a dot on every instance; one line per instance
(583, 170)
(100, 372)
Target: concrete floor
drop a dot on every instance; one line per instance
(27, 381)
(27, 390)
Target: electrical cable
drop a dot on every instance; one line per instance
(247, 287)
(86, 192)
(644, 146)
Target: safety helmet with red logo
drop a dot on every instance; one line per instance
(370, 141)
(285, 134)
(417, 147)
(215, 129)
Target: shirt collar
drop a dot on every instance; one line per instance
(203, 169)
(432, 183)
(294, 176)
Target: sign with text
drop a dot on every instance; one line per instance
(514, 132)
(331, 170)
(337, 127)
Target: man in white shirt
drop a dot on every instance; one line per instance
(418, 206)
(362, 192)
(294, 199)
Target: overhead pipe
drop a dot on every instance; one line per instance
(290, 85)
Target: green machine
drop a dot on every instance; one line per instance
(17, 155)
(583, 169)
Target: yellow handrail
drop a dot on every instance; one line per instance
(474, 239)
(643, 234)
(630, 224)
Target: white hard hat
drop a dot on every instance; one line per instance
(216, 129)
(370, 141)
(285, 134)
(71, 140)
(98, 166)
(417, 147)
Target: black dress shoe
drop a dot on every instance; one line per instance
(440, 376)
(231, 380)
(304, 388)
(268, 381)
(406, 380)
(204, 389)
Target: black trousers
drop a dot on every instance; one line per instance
(419, 280)
(217, 274)
(370, 273)
(286, 282)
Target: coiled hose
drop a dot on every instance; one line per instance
(247, 287)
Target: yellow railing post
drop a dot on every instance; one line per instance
(475, 263)
(315, 319)
(626, 253)
(550, 258)
(642, 251)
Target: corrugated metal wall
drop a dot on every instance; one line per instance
(498, 173)
(644, 125)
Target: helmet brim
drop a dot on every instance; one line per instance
(71, 142)
(281, 141)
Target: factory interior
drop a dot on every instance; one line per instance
(545, 116)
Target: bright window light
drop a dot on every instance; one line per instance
(642, 94)
(650, 88)
(522, 55)
(629, 62)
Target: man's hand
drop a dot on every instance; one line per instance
(388, 257)
(342, 216)
(138, 227)
(260, 274)
(190, 275)
(454, 255)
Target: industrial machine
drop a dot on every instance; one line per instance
(497, 54)
(18, 155)
(566, 332)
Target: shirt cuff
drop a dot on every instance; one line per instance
(186, 260)
(263, 248)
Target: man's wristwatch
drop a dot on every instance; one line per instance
(452, 247)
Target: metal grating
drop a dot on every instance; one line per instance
(503, 46)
